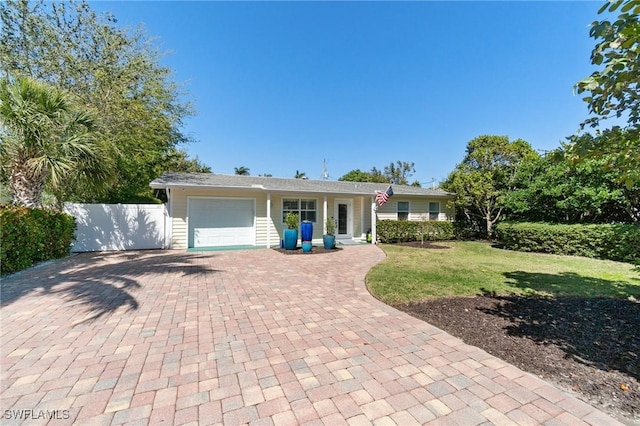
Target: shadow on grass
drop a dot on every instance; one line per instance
(569, 283)
(101, 282)
(598, 326)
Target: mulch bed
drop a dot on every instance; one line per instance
(590, 346)
(425, 244)
(314, 250)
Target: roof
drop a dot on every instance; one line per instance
(272, 184)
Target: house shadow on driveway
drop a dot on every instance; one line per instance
(101, 282)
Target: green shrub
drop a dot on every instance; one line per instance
(395, 231)
(614, 242)
(33, 235)
(469, 230)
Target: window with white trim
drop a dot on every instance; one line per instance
(403, 210)
(306, 209)
(434, 211)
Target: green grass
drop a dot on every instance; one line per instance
(474, 268)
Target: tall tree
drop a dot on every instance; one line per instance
(113, 71)
(178, 161)
(242, 171)
(486, 175)
(44, 141)
(614, 90)
(400, 172)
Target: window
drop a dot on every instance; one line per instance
(434, 211)
(403, 210)
(306, 209)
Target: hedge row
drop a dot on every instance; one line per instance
(395, 231)
(33, 235)
(613, 242)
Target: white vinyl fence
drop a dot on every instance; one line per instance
(104, 227)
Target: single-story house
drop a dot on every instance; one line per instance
(210, 210)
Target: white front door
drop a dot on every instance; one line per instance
(343, 214)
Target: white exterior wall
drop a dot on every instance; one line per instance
(389, 210)
(358, 226)
(361, 217)
(361, 212)
(105, 227)
(179, 211)
(277, 232)
(263, 222)
(418, 208)
(366, 214)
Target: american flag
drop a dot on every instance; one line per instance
(383, 197)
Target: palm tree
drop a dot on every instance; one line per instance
(243, 171)
(300, 175)
(45, 142)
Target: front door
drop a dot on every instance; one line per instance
(343, 213)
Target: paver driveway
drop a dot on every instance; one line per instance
(245, 337)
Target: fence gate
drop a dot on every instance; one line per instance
(119, 226)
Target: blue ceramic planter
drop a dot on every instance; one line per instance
(329, 241)
(306, 229)
(290, 239)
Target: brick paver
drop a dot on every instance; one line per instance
(244, 337)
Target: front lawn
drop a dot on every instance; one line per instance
(475, 268)
(571, 320)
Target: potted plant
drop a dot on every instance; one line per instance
(329, 239)
(291, 233)
(306, 233)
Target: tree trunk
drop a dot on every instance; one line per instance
(489, 226)
(25, 187)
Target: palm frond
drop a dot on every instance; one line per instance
(44, 135)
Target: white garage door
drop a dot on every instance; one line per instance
(221, 222)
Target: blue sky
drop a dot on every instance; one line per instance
(280, 86)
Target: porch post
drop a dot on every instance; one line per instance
(362, 217)
(374, 234)
(324, 215)
(268, 220)
(168, 230)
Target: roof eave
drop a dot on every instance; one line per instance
(165, 185)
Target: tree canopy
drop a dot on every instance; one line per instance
(45, 141)
(113, 72)
(242, 171)
(552, 189)
(485, 176)
(358, 175)
(398, 173)
(613, 90)
(177, 160)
